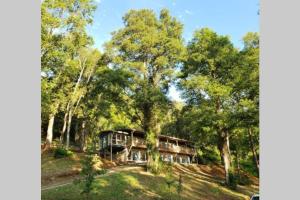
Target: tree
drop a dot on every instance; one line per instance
(207, 85)
(150, 49)
(53, 59)
(104, 102)
(246, 95)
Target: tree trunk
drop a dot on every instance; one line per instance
(83, 136)
(69, 108)
(77, 134)
(68, 129)
(253, 149)
(50, 131)
(238, 164)
(62, 134)
(147, 126)
(225, 152)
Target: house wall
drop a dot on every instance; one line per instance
(170, 150)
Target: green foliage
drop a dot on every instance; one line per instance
(149, 48)
(61, 152)
(243, 179)
(89, 172)
(249, 166)
(126, 86)
(233, 180)
(179, 185)
(207, 156)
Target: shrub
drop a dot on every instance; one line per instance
(89, 172)
(179, 185)
(233, 180)
(61, 152)
(157, 166)
(249, 167)
(208, 156)
(170, 181)
(244, 180)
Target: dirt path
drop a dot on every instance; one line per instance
(110, 171)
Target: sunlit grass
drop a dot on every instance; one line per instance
(143, 186)
(199, 182)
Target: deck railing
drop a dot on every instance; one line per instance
(140, 142)
(176, 149)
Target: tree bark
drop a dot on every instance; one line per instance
(151, 146)
(225, 153)
(50, 131)
(62, 134)
(83, 136)
(69, 128)
(77, 134)
(253, 149)
(238, 164)
(69, 107)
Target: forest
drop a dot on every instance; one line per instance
(85, 91)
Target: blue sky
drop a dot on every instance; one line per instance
(227, 17)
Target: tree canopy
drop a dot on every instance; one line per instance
(85, 91)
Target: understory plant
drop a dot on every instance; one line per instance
(89, 172)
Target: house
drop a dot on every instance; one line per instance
(128, 145)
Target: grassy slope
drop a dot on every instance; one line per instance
(63, 169)
(199, 182)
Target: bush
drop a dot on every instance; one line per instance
(179, 185)
(244, 180)
(233, 180)
(89, 172)
(61, 152)
(208, 156)
(157, 166)
(249, 166)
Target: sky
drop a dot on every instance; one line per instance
(226, 17)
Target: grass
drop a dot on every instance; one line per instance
(59, 170)
(199, 182)
(52, 166)
(122, 185)
(140, 185)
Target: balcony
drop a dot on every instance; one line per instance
(139, 142)
(164, 146)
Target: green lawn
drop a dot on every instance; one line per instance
(142, 185)
(199, 182)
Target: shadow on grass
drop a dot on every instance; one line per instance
(118, 186)
(130, 185)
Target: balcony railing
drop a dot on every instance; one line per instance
(164, 146)
(139, 142)
(118, 142)
(176, 149)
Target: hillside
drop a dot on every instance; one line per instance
(127, 182)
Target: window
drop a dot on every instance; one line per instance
(170, 158)
(134, 155)
(138, 155)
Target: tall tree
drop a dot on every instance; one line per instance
(63, 34)
(150, 48)
(53, 59)
(246, 95)
(207, 84)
